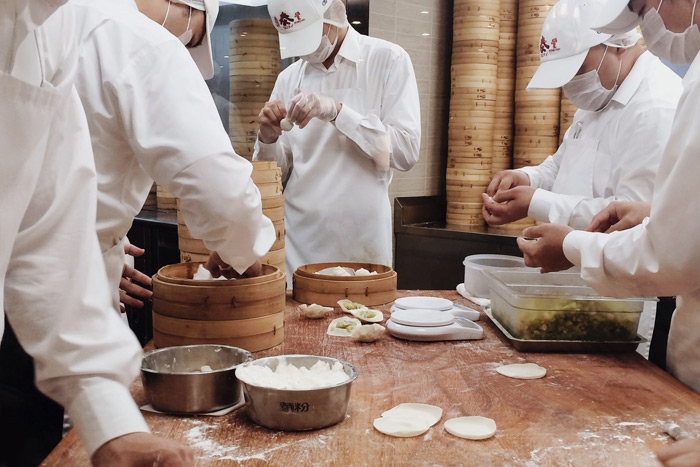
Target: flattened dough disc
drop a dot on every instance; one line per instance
(474, 427)
(399, 427)
(422, 318)
(427, 413)
(522, 371)
(423, 303)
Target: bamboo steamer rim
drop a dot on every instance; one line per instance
(180, 273)
(250, 343)
(309, 270)
(218, 328)
(325, 292)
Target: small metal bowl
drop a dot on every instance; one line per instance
(174, 383)
(298, 410)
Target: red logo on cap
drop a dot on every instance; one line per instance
(545, 48)
(285, 21)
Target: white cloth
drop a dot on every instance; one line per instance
(660, 256)
(335, 174)
(54, 290)
(151, 116)
(612, 154)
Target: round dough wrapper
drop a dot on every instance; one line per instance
(522, 371)
(399, 427)
(474, 427)
(425, 413)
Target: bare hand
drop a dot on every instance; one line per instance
(142, 450)
(269, 118)
(217, 267)
(128, 290)
(685, 453)
(507, 206)
(307, 105)
(543, 247)
(507, 179)
(620, 215)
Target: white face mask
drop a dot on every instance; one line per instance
(678, 47)
(587, 92)
(324, 50)
(186, 36)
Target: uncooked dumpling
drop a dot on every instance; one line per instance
(336, 271)
(474, 427)
(427, 413)
(348, 305)
(368, 333)
(343, 326)
(522, 371)
(368, 316)
(203, 274)
(286, 124)
(315, 311)
(399, 427)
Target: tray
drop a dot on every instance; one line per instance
(567, 346)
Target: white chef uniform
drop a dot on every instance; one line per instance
(151, 116)
(336, 191)
(661, 256)
(55, 290)
(612, 154)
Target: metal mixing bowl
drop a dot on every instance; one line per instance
(298, 410)
(174, 382)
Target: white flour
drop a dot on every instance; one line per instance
(288, 376)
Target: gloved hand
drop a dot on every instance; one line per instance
(307, 105)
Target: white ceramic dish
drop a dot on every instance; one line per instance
(423, 303)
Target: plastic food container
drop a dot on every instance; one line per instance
(560, 306)
(475, 282)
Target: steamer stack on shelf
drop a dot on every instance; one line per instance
(152, 199)
(254, 65)
(472, 108)
(566, 116)
(165, 199)
(503, 122)
(268, 178)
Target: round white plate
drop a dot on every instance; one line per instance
(423, 303)
(422, 318)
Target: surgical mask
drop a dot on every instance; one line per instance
(587, 92)
(324, 50)
(678, 47)
(186, 36)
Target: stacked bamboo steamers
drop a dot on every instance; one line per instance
(495, 124)
(268, 178)
(254, 65)
(472, 108)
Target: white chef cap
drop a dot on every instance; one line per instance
(336, 14)
(624, 40)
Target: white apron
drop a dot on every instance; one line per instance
(337, 206)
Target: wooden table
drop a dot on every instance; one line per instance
(589, 410)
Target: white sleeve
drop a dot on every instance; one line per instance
(659, 257)
(57, 298)
(178, 138)
(398, 118)
(634, 163)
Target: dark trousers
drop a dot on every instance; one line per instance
(662, 325)
(31, 424)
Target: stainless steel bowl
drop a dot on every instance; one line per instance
(174, 382)
(298, 410)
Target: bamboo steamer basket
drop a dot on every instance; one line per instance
(165, 199)
(247, 313)
(327, 290)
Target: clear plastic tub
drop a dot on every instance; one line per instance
(560, 306)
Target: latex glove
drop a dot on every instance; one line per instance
(218, 267)
(307, 105)
(685, 453)
(543, 247)
(507, 205)
(620, 215)
(142, 450)
(507, 179)
(129, 291)
(269, 119)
